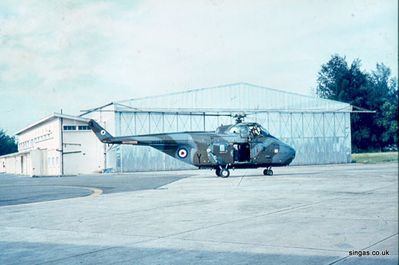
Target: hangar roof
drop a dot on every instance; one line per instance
(51, 117)
(243, 96)
(231, 97)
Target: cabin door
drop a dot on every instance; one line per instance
(242, 152)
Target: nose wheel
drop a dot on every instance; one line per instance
(268, 172)
(222, 172)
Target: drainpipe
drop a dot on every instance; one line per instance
(62, 146)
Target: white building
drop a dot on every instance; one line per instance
(56, 145)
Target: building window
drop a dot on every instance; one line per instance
(69, 128)
(83, 128)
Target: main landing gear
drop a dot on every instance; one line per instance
(268, 172)
(223, 172)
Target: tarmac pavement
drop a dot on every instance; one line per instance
(301, 215)
(23, 189)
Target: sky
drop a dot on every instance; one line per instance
(75, 55)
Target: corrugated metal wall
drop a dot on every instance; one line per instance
(318, 137)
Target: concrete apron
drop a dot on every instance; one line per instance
(301, 215)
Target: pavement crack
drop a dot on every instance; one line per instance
(147, 209)
(243, 219)
(382, 240)
(74, 256)
(261, 245)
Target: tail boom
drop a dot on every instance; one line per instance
(100, 132)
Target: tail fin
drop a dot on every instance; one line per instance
(100, 132)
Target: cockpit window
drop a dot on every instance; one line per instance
(239, 129)
(259, 130)
(263, 131)
(255, 130)
(245, 130)
(234, 129)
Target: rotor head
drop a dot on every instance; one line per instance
(239, 117)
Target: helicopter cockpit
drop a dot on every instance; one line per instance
(247, 129)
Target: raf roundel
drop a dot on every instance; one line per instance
(182, 153)
(102, 132)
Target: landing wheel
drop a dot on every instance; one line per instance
(217, 171)
(224, 173)
(268, 172)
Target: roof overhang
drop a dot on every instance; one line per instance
(51, 117)
(118, 107)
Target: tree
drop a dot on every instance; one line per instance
(374, 91)
(7, 144)
(385, 92)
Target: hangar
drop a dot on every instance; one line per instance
(318, 129)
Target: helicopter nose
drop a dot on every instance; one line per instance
(286, 155)
(291, 153)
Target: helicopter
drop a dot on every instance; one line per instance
(239, 145)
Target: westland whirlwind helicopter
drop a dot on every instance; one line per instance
(240, 145)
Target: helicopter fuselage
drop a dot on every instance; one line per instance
(243, 145)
